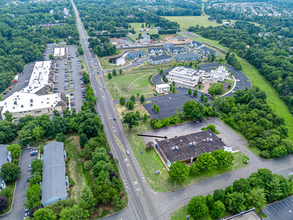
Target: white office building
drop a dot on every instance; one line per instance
(60, 53)
(33, 99)
(162, 88)
(185, 77)
(217, 75)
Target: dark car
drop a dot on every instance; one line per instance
(155, 94)
(196, 122)
(34, 153)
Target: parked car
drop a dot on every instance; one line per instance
(114, 119)
(196, 122)
(67, 180)
(155, 94)
(29, 167)
(82, 86)
(34, 153)
(127, 152)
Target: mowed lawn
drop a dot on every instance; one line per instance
(187, 21)
(137, 26)
(150, 162)
(257, 79)
(129, 83)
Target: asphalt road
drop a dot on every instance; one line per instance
(17, 211)
(144, 203)
(26, 74)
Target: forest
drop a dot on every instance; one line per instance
(270, 54)
(23, 41)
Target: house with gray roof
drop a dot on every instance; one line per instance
(160, 59)
(207, 51)
(136, 54)
(186, 57)
(196, 44)
(176, 50)
(54, 182)
(155, 51)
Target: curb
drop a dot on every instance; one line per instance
(231, 90)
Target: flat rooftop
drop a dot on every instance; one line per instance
(185, 151)
(247, 216)
(59, 51)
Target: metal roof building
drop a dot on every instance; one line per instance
(54, 183)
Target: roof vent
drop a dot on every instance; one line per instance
(31, 105)
(22, 106)
(167, 141)
(194, 144)
(31, 100)
(13, 107)
(181, 141)
(173, 148)
(15, 102)
(204, 140)
(177, 148)
(211, 139)
(190, 144)
(210, 134)
(208, 139)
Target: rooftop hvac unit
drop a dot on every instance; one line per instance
(211, 139)
(173, 148)
(190, 144)
(13, 107)
(31, 104)
(210, 134)
(22, 106)
(204, 140)
(194, 144)
(15, 102)
(167, 141)
(181, 141)
(196, 138)
(31, 100)
(177, 148)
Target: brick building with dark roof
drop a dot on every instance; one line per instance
(187, 148)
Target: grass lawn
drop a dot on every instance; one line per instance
(75, 165)
(160, 182)
(84, 66)
(186, 21)
(137, 107)
(137, 26)
(257, 79)
(130, 83)
(182, 212)
(106, 65)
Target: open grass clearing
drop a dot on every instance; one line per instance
(137, 26)
(75, 165)
(186, 21)
(122, 110)
(119, 85)
(182, 213)
(257, 79)
(106, 65)
(150, 162)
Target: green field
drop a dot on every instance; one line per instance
(137, 26)
(181, 213)
(273, 98)
(150, 162)
(187, 21)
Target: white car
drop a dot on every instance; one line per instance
(127, 152)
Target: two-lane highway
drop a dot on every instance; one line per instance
(141, 205)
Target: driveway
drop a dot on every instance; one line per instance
(17, 211)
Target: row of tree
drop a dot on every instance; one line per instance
(261, 187)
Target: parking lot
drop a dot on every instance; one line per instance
(169, 103)
(69, 80)
(282, 210)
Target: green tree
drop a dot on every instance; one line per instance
(189, 91)
(10, 172)
(161, 71)
(87, 196)
(129, 105)
(137, 114)
(7, 192)
(216, 88)
(122, 101)
(33, 197)
(219, 195)
(273, 190)
(44, 214)
(145, 117)
(197, 207)
(80, 51)
(178, 172)
(193, 110)
(51, 57)
(217, 209)
(130, 119)
(109, 76)
(206, 162)
(206, 99)
(3, 203)
(142, 99)
(235, 202)
(202, 97)
(132, 98)
(36, 179)
(114, 72)
(257, 198)
(38, 133)
(120, 71)
(8, 116)
(195, 93)
(36, 166)
(60, 137)
(82, 139)
(199, 67)
(87, 165)
(157, 109)
(210, 201)
(15, 150)
(213, 57)
(173, 90)
(224, 158)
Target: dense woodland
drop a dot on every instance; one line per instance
(270, 54)
(23, 41)
(111, 16)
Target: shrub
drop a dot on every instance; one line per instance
(88, 165)
(60, 137)
(16, 161)
(72, 183)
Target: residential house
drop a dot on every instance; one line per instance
(160, 59)
(54, 181)
(196, 44)
(145, 38)
(136, 54)
(207, 51)
(176, 50)
(186, 57)
(155, 51)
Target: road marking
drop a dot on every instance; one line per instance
(120, 145)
